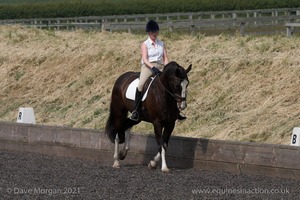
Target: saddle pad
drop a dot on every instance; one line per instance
(130, 92)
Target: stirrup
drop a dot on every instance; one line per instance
(134, 116)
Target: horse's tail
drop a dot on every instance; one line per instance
(110, 129)
(117, 109)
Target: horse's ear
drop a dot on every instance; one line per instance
(188, 69)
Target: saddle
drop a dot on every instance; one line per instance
(131, 90)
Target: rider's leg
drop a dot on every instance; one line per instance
(138, 104)
(145, 74)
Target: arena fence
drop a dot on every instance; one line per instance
(183, 152)
(245, 22)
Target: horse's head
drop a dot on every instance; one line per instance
(178, 82)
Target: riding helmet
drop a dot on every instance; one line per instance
(152, 26)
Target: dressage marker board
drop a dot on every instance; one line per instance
(295, 139)
(183, 152)
(26, 115)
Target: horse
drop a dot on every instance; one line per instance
(166, 97)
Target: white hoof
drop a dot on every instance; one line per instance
(116, 164)
(152, 165)
(166, 170)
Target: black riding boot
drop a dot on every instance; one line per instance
(138, 104)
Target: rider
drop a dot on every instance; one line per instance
(154, 58)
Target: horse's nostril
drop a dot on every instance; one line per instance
(181, 105)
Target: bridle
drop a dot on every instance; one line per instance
(176, 97)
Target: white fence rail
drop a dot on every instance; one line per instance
(195, 21)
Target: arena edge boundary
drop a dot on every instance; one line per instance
(204, 154)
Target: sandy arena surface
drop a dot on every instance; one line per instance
(37, 176)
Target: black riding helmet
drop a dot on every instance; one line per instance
(152, 26)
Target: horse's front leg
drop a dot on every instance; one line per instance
(161, 154)
(126, 147)
(164, 166)
(161, 151)
(153, 163)
(166, 136)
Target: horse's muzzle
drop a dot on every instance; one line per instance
(181, 105)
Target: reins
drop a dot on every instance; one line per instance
(175, 96)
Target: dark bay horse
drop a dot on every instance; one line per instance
(166, 97)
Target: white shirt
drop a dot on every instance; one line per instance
(155, 50)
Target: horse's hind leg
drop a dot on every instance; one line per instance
(116, 153)
(122, 136)
(127, 127)
(120, 155)
(126, 146)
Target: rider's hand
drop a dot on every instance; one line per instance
(155, 71)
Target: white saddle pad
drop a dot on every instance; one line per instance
(130, 92)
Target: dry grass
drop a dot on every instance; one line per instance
(241, 88)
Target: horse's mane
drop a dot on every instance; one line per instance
(171, 65)
(174, 68)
